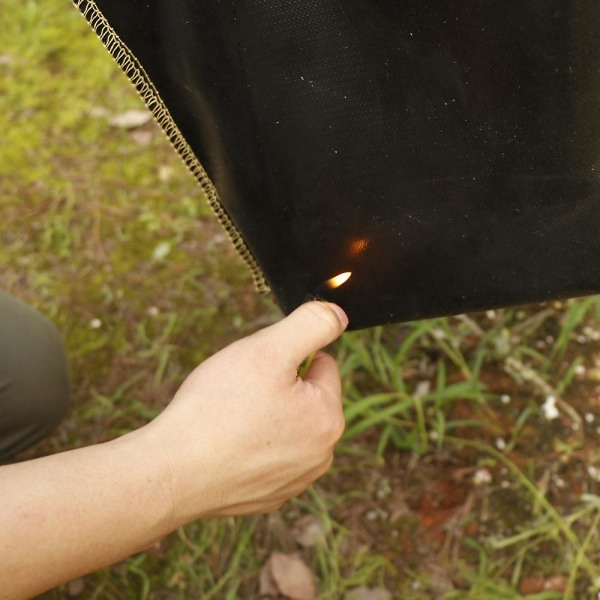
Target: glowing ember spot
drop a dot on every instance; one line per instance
(358, 246)
(338, 280)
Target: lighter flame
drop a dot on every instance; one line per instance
(338, 280)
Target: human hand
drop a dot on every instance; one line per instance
(244, 433)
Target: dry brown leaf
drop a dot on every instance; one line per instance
(538, 583)
(556, 583)
(292, 576)
(309, 531)
(266, 583)
(531, 585)
(366, 593)
(141, 138)
(130, 119)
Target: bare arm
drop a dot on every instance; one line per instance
(242, 435)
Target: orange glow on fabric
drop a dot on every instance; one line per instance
(358, 246)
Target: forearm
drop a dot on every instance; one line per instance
(75, 512)
(242, 435)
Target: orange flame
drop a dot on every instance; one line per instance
(338, 280)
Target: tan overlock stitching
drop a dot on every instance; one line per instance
(149, 94)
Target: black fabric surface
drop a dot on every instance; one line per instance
(446, 153)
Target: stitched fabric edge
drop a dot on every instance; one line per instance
(136, 74)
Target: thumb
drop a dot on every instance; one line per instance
(309, 328)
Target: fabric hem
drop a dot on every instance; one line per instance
(151, 98)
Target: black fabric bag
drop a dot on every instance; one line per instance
(445, 153)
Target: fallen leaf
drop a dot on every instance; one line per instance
(309, 531)
(266, 583)
(130, 119)
(367, 593)
(555, 583)
(141, 138)
(161, 250)
(531, 585)
(98, 112)
(292, 577)
(538, 583)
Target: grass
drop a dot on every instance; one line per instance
(449, 482)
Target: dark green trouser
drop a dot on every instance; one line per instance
(34, 383)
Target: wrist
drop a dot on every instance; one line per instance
(152, 478)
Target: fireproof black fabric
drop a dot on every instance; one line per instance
(446, 153)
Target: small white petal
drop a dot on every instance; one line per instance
(549, 408)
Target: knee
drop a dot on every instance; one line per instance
(43, 379)
(34, 381)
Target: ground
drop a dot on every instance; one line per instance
(470, 465)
